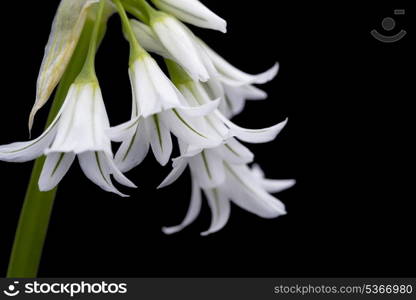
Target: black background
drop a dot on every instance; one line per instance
(347, 144)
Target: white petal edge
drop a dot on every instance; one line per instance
(160, 139)
(192, 213)
(254, 136)
(54, 169)
(94, 166)
(220, 210)
(233, 76)
(245, 191)
(193, 12)
(178, 169)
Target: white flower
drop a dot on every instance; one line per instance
(158, 109)
(79, 129)
(227, 82)
(180, 45)
(66, 30)
(152, 90)
(155, 131)
(222, 174)
(220, 70)
(193, 12)
(194, 120)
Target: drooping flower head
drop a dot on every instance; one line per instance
(193, 101)
(80, 129)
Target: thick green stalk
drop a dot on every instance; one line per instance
(36, 212)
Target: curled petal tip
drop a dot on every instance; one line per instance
(208, 232)
(123, 195)
(223, 26)
(132, 185)
(269, 74)
(169, 230)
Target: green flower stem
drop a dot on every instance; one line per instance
(37, 208)
(88, 69)
(132, 8)
(136, 50)
(140, 9)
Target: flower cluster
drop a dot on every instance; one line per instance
(193, 102)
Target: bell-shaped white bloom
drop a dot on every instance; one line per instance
(137, 135)
(155, 132)
(66, 31)
(222, 174)
(159, 109)
(192, 12)
(180, 45)
(152, 90)
(79, 129)
(233, 86)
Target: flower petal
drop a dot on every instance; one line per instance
(123, 131)
(148, 40)
(66, 30)
(254, 135)
(192, 12)
(220, 210)
(143, 89)
(233, 76)
(118, 176)
(193, 211)
(271, 185)
(201, 110)
(234, 152)
(257, 171)
(95, 167)
(277, 185)
(152, 89)
(180, 45)
(236, 96)
(54, 169)
(25, 151)
(207, 169)
(179, 167)
(243, 189)
(190, 130)
(84, 123)
(160, 139)
(133, 150)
